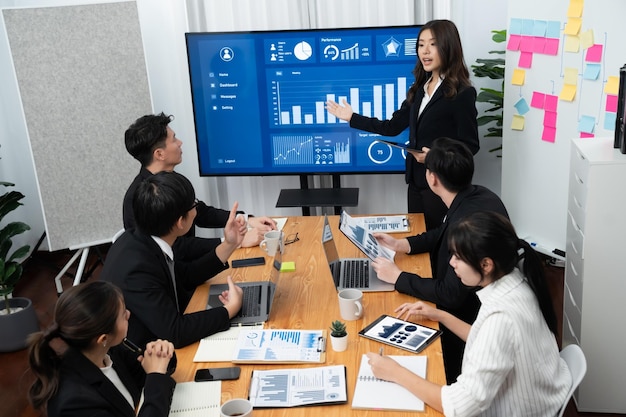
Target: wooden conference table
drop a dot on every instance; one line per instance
(307, 299)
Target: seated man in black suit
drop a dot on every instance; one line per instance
(449, 170)
(155, 284)
(154, 144)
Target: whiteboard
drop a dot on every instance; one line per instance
(534, 169)
(82, 80)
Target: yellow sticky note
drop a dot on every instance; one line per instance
(572, 27)
(518, 122)
(612, 85)
(575, 8)
(518, 76)
(288, 266)
(586, 39)
(568, 93)
(572, 43)
(571, 76)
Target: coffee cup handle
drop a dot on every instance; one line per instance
(263, 245)
(359, 308)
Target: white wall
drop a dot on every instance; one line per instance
(475, 20)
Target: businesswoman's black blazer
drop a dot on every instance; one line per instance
(85, 391)
(450, 117)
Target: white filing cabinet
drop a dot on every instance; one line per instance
(594, 301)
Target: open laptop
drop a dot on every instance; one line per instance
(350, 272)
(257, 297)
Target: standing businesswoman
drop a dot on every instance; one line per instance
(511, 365)
(94, 376)
(441, 102)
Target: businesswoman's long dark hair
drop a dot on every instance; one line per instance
(453, 66)
(490, 235)
(81, 315)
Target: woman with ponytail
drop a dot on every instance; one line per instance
(511, 365)
(82, 370)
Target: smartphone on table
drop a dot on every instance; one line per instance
(217, 374)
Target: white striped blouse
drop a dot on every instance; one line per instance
(511, 366)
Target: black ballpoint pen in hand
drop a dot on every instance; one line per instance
(131, 346)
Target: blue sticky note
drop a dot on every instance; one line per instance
(527, 27)
(586, 124)
(592, 71)
(515, 28)
(522, 106)
(539, 28)
(553, 30)
(609, 120)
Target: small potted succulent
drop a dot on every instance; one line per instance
(338, 336)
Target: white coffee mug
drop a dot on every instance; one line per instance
(351, 304)
(236, 407)
(272, 241)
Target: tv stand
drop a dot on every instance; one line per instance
(306, 197)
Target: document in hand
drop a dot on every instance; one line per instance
(323, 385)
(363, 239)
(373, 393)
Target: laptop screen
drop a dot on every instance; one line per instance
(329, 243)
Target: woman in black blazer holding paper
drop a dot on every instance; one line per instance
(441, 102)
(82, 370)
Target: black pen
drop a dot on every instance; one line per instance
(131, 346)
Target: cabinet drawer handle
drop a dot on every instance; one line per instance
(571, 265)
(577, 203)
(571, 297)
(579, 179)
(573, 247)
(571, 331)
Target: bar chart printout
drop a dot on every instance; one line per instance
(294, 387)
(273, 345)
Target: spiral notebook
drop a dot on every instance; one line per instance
(196, 399)
(373, 393)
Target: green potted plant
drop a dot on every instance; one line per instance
(492, 68)
(338, 336)
(17, 315)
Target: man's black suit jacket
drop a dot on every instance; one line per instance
(445, 288)
(450, 117)
(137, 265)
(85, 391)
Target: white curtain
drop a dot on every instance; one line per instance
(378, 193)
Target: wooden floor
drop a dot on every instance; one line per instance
(37, 284)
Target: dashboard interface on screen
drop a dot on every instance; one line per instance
(259, 99)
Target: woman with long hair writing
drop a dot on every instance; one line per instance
(511, 365)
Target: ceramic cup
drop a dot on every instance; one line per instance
(236, 407)
(351, 304)
(272, 241)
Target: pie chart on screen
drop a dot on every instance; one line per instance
(303, 51)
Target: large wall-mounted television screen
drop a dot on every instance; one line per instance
(259, 99)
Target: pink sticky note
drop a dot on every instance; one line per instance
(526, 44)
(525, 60)
(611, 103)
(549, 134)
(594, 53)
(549, 119)
(587, 135)
(514, 42)
(552, 46)
(539, 44)
(537, 100)
(551, 102)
